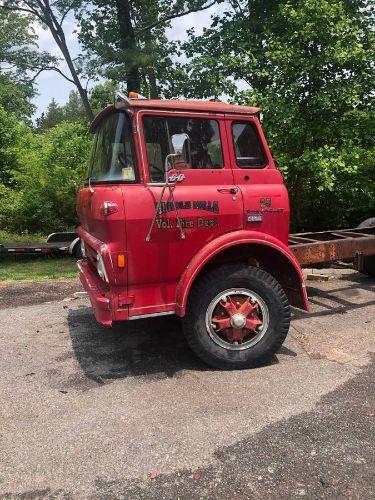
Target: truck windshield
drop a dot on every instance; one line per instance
(113, 157)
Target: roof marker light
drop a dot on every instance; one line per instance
(135, 95)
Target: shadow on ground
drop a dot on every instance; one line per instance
(155, 347)
(329, 303)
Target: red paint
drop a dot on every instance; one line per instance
(226, 310)
(158, 274)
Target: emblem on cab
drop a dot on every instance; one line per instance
(176, 178)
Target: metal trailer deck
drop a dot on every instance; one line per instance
(330, 246)
(57, 243)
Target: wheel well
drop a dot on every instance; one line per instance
(269, 259)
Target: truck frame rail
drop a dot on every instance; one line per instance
(330, 246)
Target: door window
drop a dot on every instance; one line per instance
(194, 143)
(248, 149)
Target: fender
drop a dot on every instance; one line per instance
(224, 242)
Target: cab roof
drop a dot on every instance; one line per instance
(175, 105)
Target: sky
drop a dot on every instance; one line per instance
(51, 84)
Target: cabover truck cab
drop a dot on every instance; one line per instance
(184, 212)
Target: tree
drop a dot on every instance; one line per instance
(52, 16)
(126, 42)
(18, 52)
(103, 94)
(49, 170)
(309, 65)
(10, 132)
(53, 116)
(73, 110)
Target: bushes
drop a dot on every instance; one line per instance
(45, 177)
(331, 187)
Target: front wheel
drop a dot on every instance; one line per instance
(237, 317)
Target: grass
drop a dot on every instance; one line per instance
(36, 267)
(6, 237)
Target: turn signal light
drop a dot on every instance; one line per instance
(121, 260)
(109, 207)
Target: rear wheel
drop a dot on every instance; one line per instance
(368, 261)
(237, 317)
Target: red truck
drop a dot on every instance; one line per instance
(184, 212)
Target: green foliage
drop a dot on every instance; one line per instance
(309, 65)
(53, 116)
(49, 171)
(103, 94)
(19, 56)
(10, 131)
(126, 41)
(72, 111)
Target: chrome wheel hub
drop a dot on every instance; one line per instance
(237, 319)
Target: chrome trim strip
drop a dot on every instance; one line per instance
(152, 315)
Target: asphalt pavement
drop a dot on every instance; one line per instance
(129, 412)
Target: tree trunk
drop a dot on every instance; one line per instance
(128, 44)
(82, 91)
(154, 93)
(59, 37)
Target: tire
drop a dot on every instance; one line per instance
(243, 288)
(75, 249)
(368, 261)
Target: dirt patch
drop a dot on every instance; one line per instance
(24, 293)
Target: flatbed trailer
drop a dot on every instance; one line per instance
(57, 244)
(331, 246)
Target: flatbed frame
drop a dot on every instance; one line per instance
(331, 246)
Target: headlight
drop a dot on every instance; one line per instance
(83, 249)
(101, 267)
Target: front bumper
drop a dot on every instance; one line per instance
(96, 289)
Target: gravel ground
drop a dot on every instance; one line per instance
(129, 412)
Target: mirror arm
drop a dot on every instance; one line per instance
(170, 186)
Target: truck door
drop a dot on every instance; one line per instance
(208, 203)
(265, 198)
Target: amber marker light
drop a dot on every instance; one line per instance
(121, 260)
(135, 95)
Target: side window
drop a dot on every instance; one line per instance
(194, 142)
(247, 146)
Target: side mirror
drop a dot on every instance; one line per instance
(181, 144)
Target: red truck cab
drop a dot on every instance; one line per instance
(184, 212)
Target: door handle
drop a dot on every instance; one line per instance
(232, 190)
